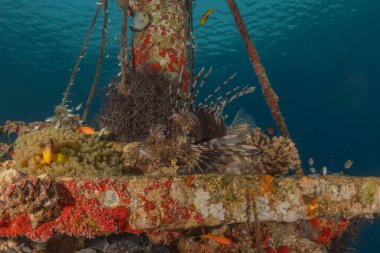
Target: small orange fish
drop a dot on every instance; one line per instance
(217, 238)
(205, 16)
(86, 130)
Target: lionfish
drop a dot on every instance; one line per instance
(195, 137)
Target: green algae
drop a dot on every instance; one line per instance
(232, 197)
(368, 193)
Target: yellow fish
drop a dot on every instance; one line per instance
(60, 158)
(48, 152)
(205, 16)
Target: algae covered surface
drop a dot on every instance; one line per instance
(79, 154)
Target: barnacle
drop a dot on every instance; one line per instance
(276, 156)
(86, 155)
(13, 245)
(144, 104)
(37, 198)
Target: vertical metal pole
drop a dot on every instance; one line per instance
(163, 46)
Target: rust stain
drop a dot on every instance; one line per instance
(188, 181)
(323, 230)
(267, 184)
(311, 208)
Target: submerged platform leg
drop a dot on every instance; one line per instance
(163, 46)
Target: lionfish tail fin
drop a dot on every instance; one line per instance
(223, 155)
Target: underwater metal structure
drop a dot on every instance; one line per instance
(99, 206)
(162, 45)
(40, 207)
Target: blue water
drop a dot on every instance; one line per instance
(321, 56)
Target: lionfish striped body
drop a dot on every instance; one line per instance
(195, 137)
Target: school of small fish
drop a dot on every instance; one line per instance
(347, 165)
(64, 113)
(324, 170)
(311, 161)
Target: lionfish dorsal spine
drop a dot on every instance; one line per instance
(188, 103)
(174, 96)
(229, 79)
(196, 79)
(200, 86)
(247, 89)
(218, 100)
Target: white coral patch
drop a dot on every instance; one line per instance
(217, 210)
(202, 203)
(376, 202)
(111, 198)
(344, 192)
(263, 209)
(9, 176)
(283, 207)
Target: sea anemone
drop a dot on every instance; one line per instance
(84, 155)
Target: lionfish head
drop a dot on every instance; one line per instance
(159, 135)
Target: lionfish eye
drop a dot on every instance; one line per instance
(166, 132)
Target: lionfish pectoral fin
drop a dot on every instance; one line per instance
(99, 243)
(227, 140)
(224, 155)
(243, 123)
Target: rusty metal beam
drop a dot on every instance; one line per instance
(94, 206)
(269, 94)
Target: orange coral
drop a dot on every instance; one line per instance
(267, 184)
(311, 208)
